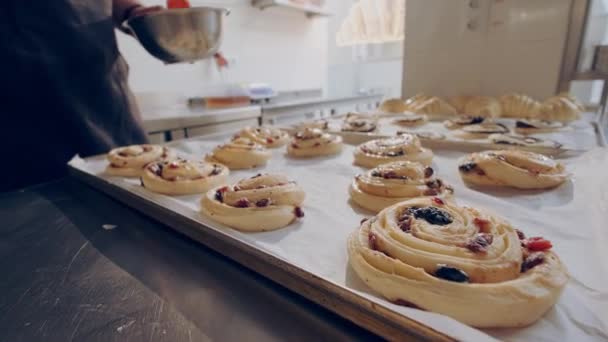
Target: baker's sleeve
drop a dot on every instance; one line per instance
(122, 8)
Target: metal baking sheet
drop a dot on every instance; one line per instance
(310, 257)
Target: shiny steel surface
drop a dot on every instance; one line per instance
(180, 35)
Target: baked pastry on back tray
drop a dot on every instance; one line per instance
(360, 123)
(403, 147)
(260, 203)
(129, 161)
(458, 261)
(395, 182)
(512, 168)
(314, 143)
(433, 106)
(393, 106)
(519, 106)
(559, 108)
(484, 106)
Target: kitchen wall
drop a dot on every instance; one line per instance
(277, 46)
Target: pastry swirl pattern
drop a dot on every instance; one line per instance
(402, 147)
(240, 153)
(129, 161)
(512, 168)
(183, 177)
(314, 143)
(457, 261)
(260, 203)
(395, 182)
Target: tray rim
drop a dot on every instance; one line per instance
(338, 299)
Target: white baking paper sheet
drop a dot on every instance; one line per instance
(573, 216)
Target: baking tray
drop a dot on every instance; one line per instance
(579, 137)
(324, 276)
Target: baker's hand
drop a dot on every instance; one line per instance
(143, 10)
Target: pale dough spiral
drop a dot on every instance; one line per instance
(560, 108)
(129, 161)
(240, 153)
(395, 182)
(260, 203)
(519, 106)
(267, 136)
(356, 122)
(314, 143)
(183, 177)
(402, 147)
(457, 261)
(512, 168)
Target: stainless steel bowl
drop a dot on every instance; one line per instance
(179, 35)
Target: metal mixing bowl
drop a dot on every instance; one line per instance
(179, 35)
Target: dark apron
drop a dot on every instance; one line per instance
(63, 87)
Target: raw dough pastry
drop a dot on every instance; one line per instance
(321, 124)
(433, 106)
(512, 168)
(525, 141)
(424, 135)
(314, 143)
(393, 106)
(559, 108)
(537, 126)
(381, 151)
(183, 177)
(268, 136)
(519, 106)
(481, 131)
(240, 153)
(463, 120)
(129, 161)
(411, 120)
(395, 182)
(484, 106)
(457, 261)
(361, 123)
(256, 204)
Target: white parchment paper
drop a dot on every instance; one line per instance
(573, 216)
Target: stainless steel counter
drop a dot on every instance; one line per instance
(78, 266)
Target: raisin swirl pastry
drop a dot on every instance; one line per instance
(457, 261)
(396, 182)
(462, 121)
(559, 108)
(355, 122)
(240, 153)
(532, 126)
(481, 130)
(382, 151)
(129, 161)
(260, 203)
(519, 106)
(183, 177)
(314, 143)
(512, 168)
(267, 136)
(523, 141)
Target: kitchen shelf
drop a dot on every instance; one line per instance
(309, 10)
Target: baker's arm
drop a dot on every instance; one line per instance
(125, 9)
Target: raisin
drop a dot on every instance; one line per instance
(317, 144)
(269, 140)
(428, 172)
(482, 224)
(520, 234)
(434, 216)
(363, 220)
(216, 170)
(256, 176)
(521, 124)
(536, 244)
(434, 184)
(298, 212)
(219, 196)
(173, 165)
(295, 146)
(376, 173)
(406, 225)
(242, 203)
(123, 154)
(479, 243)
(467, 167)
(451, 274)
(532, 260)
(438, 201)
(264, 202)
(373, 241)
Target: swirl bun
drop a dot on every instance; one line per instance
(240, 153)
(261, 203)
(395, 182)
(462, 121)
(433, 106)
(321, 124)
(532, 126)
(265, 136)
(512, 168)
(355, 122)
(519, 106)
(484, 106)
(314, 143)
(183, 177)
(411, 120)
(457, 261)
(381, 151)
(560, 108)
(129, 161)
(481, 130)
